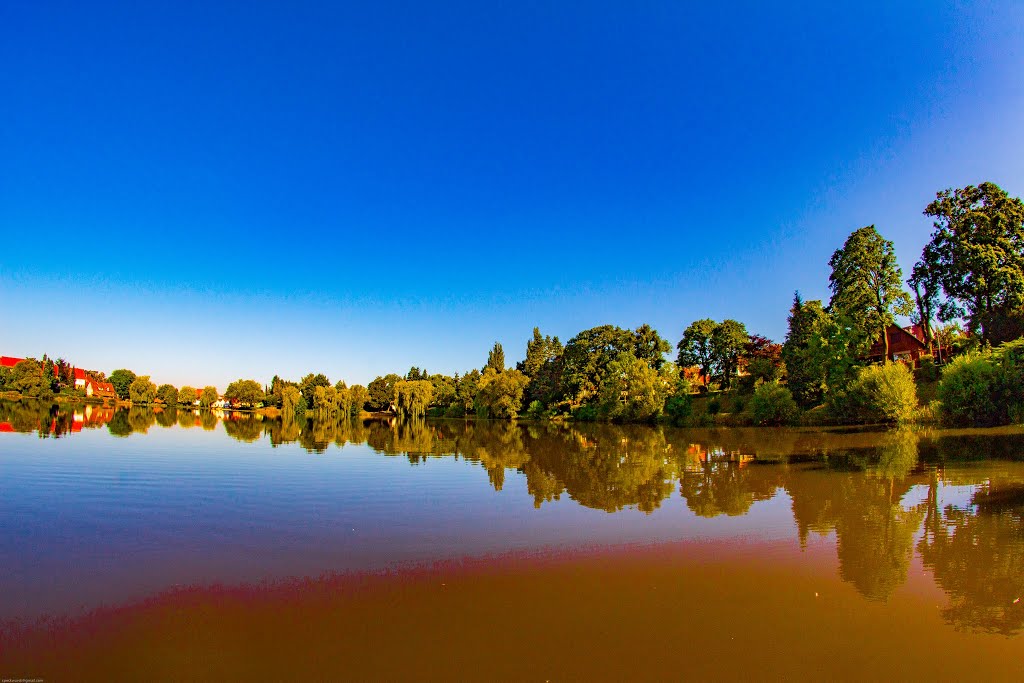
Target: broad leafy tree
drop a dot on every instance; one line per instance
(382, 392)
(208, 396)
(187, 396)
(142, 390)
(977, 253)
(122, 379)
(412, 398)
(500, 394)
(309, 383)
(245, 391)
(168, 394)
(728, 343)
(634, 391)
(359, 397)
(696, 348)
(586, 357)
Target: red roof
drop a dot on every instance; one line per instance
(9, 362)
(80, 374)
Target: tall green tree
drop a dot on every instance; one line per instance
(359, 396)
(500, 394)
(728, 343)
(292, 402)
(309, 383)
(142, 390)
(168, 394)
(649, 346)
(806, 375)
(586, 357)
(187, 396)
(867, 288)
(926, 285)
(496, 358)
(208, 396)
(633, 390)
(412, 398)
(543, 367)
(696, 347)
(248, 392)
(122, 379)
(978, 256)
(382, 392)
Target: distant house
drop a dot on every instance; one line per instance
(906, 344)
(9, 362)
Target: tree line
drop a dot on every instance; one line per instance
(966, 292)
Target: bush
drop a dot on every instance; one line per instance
(535, 411)
(586, 413)
(968, 391)
(984, 389)
(879, 393)
(678, 408)
(714, 406)
(772, 404)
(929, 371)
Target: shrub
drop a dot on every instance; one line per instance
(772, 404)
(714, 406)
(985, 389)
(535, 411)
(969, 391)
(928, 372)
(879, 393)
(586, 413)
(678, 408)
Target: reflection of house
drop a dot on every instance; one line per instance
(906, 344)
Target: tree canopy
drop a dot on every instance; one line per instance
(976, 253)
(867, 289)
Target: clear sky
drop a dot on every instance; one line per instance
(202, 191)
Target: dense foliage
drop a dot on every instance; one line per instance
(879, 393)
(773, 404)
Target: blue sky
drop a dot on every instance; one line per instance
(206, 191)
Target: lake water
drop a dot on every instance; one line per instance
(194, 546)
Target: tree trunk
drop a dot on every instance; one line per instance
(885, 339)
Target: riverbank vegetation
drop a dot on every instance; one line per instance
(836, 365)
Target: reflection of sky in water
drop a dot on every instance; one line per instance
(957, 496)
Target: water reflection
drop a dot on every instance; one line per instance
(881, 494)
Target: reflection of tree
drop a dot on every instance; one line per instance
(497, 447)
(208, 419)
(141, 419)
(977, 557)
(166, 417)
(605, 467)
(244, 427)
(119, 424)
(722, 484)
(874, 531)
(186, 418)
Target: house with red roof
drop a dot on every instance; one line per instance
(83, 380)
(906, 344)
